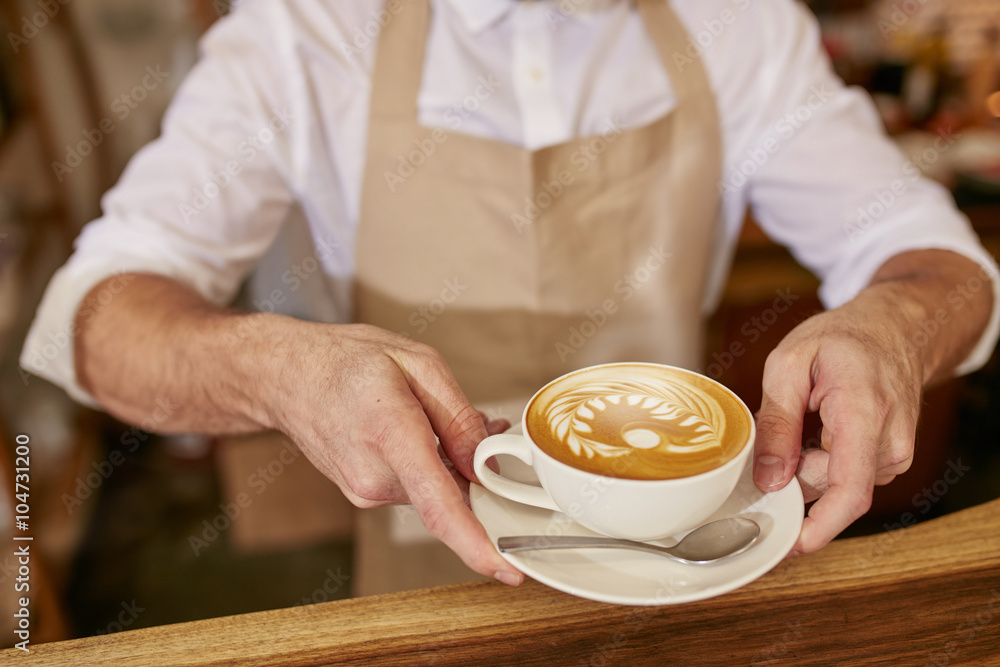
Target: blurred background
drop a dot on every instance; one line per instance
(133, 530)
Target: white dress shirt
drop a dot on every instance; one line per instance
(274, 118)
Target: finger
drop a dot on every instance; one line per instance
(855, 426)
(494, 426)
(439, 502)
(895, 452)
(456, 422)
(892, 459)
(787, 385)
(497, 426)
(459, 479)
(812, 474)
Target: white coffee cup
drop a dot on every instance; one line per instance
(636, 509)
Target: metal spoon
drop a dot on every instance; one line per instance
(715, 540)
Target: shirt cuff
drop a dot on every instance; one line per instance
(838, 291)
(48, 348)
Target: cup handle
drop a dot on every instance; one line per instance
(517, 446)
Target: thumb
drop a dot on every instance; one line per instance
(779, 423)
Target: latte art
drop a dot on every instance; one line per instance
(638, 421)
(615, 418)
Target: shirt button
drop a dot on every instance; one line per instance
(536, 74)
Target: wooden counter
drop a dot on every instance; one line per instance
(928, 594)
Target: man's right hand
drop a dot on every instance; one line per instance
(363, 404)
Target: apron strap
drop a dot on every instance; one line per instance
(399, 61)
(687, 74)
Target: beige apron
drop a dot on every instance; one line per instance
(518, 265)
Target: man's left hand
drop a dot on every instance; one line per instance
(861, 367)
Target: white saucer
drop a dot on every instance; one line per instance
(635, 578)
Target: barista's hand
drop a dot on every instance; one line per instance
(864, 369)
(364, 405)
(852, 365)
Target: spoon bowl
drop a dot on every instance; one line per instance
(715, 540)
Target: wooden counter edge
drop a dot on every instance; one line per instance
(964, 546)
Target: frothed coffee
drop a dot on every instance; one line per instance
(638, 421)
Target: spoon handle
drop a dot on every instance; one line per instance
(535, 542)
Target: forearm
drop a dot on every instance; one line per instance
(942, 301)
(158, 355)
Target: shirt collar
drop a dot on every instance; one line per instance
(477, 15)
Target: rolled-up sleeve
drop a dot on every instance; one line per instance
(200, 205)
(829, 184)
